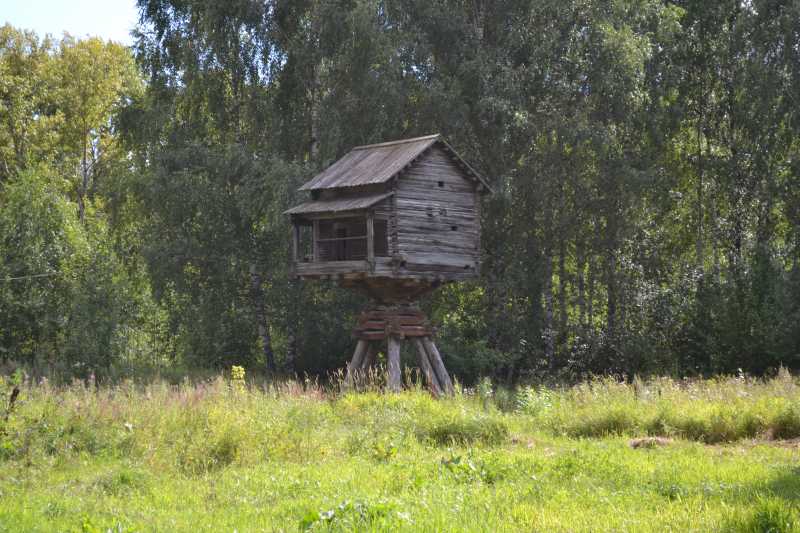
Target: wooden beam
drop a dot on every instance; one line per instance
(369, 359)
(371, 240)
(315, 238)
(395, 378)
(355, 363)
(438, 365)
(427, 369)
(295, 242)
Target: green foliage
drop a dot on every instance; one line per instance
(643, 156)
(68, 303)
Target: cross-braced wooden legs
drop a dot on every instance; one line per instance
(427, 369)
(430, 363)
(363, 359)
(439, 370)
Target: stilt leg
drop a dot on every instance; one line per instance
(395, 380)
(427, 369)
(355, 363)
(369, 359)
(438, 365)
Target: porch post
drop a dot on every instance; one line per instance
(295, 241)
(315, 239)
(370, 238)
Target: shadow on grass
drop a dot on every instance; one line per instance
(786, 485)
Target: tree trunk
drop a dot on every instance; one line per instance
(611, 289)
(295, 289)
(581, 253)
(590, 301)
(314, 90)
(84, 185)
(699, 243)
(548, 334)
(562, 292)
(257, 294)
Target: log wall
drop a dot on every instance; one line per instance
(436, 226)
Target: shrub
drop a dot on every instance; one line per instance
(534, 402)
(786, 425)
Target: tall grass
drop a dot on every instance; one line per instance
(297, 456)
(717, 410)
(197, 428)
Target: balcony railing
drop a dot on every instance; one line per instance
(342, 248)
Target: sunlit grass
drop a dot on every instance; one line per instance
(219, 456)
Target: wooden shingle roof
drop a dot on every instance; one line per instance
(338, 205)
(378, 163)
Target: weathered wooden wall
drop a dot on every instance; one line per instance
(437, 226)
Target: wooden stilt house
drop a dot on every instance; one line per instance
(395, 218)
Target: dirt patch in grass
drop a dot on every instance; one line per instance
(649, 442)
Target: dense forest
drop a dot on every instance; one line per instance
(644, 156)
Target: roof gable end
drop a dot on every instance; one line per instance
(379, 163)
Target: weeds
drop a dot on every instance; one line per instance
(236, 455)
(712, 411)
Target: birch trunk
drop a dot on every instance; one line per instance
(549, 337)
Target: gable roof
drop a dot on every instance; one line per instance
(378, 163)
(338, 204)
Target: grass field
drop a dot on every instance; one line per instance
(226, 456)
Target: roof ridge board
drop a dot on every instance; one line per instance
(401, 141)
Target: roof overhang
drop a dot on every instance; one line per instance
(338, 205)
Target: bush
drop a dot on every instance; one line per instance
(786, 425)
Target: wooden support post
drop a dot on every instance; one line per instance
(438, 365)
(369, 359)
(427, 369)
(395, 378)
(315, 240)
(371, 240)
(355, 363)
(295, 242)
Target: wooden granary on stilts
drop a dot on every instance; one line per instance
(394, 220)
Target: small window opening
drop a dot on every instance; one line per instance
(441, 184)
(454, 228)
(430, 211)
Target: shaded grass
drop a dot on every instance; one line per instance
(215, 457)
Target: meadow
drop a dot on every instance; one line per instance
(228, 455)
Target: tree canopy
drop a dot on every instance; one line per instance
(645, 156)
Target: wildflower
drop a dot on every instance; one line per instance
(237, 373)
(237, 378)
